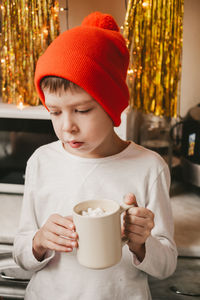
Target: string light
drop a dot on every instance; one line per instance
(20, 104)
(130, 71)
(145, 4)
(153, 32)
(45, 31)
(28, 27)
(56, 9)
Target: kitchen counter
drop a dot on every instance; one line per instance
(184, 284)
(9, 289)
(10, 207)
(185, 201)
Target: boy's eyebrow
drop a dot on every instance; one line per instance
(76, 104)
(51, 105)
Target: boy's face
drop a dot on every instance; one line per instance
(82, 125)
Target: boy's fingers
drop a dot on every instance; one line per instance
(141, 212)
(61, 231)
(69, 218)
(70, 222)
(63, 221)
(59, 248)
(61, 240)
(132, 219)
(130, 199)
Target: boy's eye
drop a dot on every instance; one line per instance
(55, 113)
(83, 111)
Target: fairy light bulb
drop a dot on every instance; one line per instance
(45, 31)
(145, 4)
(20, 103)
(130, 72)
(56, 9)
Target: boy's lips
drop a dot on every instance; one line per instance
(75, 144)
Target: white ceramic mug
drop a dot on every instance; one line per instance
(99, 237)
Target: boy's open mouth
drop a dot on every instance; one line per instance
(75, 144)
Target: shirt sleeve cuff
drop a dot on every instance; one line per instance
(30, 262)
(144, 265)
(159, 260)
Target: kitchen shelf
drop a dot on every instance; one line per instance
(11, 111)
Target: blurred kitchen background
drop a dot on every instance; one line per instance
(24, 128)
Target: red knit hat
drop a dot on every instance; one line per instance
(93, 56)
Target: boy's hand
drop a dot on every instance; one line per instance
(138, 223)
(58, 233)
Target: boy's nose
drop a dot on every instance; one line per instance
(69, 124)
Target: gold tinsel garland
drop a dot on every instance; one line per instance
(153, 30)
(28, 27)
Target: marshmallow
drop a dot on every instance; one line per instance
(97, 212)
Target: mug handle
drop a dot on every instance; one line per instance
(124, 207)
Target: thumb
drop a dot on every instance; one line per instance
(130, 199)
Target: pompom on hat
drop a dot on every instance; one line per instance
(95, 57)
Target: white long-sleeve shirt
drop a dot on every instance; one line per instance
(57, 180)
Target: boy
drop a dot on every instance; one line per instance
(81, 79)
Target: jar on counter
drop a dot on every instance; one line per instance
(155, 135)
